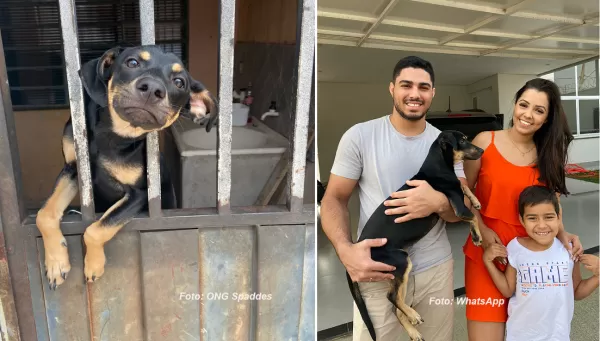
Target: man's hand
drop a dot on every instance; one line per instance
(494, 251)
(357, 260)
(591, 262)
(417, 202)
(567, 239)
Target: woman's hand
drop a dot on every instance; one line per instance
(567, 239)
(591, 262)
(489, 238)
(494, 252)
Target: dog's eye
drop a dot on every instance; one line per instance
(178, 82)
(132, 63)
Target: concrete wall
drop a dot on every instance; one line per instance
(486, 92)
(584, 150)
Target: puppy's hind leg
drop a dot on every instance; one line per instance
(48, 218)
(397, 293)
(412, 332)
(407, 316)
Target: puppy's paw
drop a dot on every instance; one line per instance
(414, 317)
(476, 238)
(414, 335)
(94, 261)
(56, 260)
(477, 205)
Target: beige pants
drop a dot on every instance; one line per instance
(430, 293)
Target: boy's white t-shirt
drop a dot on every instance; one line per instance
(542, 306)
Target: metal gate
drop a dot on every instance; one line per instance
(173, 274)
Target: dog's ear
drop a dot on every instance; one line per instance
(95, 75)
(202, 106)
(448, 142)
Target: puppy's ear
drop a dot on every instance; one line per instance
(202, 106)
(448, 142)
(96, 73)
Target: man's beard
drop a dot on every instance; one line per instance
(407, 117)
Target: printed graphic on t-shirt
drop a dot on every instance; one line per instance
(542, 275)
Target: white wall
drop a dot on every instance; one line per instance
(486, 91)
(584, 150)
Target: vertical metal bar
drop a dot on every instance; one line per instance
(306, 52)
(16, 309)
(226, 45)
(71, 50)
(152, 147)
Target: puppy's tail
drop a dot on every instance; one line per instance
(362, 307)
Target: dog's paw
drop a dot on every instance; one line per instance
(414, 318)
(415, 335)
(56, 261)
(94, 263)
(477, 205)
(476, 238)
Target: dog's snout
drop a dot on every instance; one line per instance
(151, 89)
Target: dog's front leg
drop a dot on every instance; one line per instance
(472, 198)
(48, 217)
(48, 222)
(103, 230)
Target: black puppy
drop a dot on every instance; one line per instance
(129, 93)
(449, 148)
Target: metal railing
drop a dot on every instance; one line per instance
(16, 227)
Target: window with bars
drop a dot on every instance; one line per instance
(31, 34)
(580, 94)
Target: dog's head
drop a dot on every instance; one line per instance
(456, 145)
(146, 89)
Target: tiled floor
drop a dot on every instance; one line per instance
(335, 303)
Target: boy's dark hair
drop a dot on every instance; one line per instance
(416, 63)
(534, 195)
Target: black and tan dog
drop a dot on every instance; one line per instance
(449, 148)
(129, 93)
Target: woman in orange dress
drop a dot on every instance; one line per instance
(533, 150)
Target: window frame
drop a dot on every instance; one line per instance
(577, 98)
(183, 41)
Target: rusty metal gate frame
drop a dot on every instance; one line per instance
(20, 276)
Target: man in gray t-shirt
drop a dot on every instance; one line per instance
(379, 156)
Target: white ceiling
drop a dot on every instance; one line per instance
(361, 41)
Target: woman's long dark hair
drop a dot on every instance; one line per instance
(553, 138)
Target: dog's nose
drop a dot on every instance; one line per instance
(151, 89)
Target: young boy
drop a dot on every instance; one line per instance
(541, 280)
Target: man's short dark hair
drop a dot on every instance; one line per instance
(534, 195)
(416, 63)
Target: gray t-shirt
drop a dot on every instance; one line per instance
(382, 160)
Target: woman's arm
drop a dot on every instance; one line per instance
(583, 287)
(567, 238)
(472, 167)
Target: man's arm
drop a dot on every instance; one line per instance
(334, 210)
(345, 172)
(336, 225)
(420, 201)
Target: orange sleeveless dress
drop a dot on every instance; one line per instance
(499, 185)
